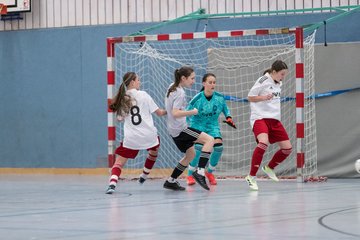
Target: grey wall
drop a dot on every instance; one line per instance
(53, 90)
(338, 129)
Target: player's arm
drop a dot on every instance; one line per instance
(227, 115)
(260, 98)
(256, 93)
(154, 107)
(160, 112)
(228, 120)
(178, 113)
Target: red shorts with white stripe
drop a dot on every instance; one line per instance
(132, 153)
(272, 127)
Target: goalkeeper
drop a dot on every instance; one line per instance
(210, 105)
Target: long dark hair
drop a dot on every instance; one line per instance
(277, 66)
(205, 78)
(122, 102)
(183, 71)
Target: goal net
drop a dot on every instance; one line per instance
(238, 59)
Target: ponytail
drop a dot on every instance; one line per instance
(178, 73)
(122, 102)
(277, 66)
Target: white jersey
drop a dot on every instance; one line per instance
(139, 130)
(269, 108)
(176, 99)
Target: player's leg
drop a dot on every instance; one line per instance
(278, 134)
(122, 155)
(149, 163)
(193, 164)
(214, 160)
(185, 143)
(208, 143)
(115, 173)
(260, 130)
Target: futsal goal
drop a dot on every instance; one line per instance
(237, 58)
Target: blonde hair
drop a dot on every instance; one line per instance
(122, 102)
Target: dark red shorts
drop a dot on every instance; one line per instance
(131, 153)
(272, 127)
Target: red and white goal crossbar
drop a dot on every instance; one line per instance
(299, 72)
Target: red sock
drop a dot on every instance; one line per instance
(278, 157)
(115, 174)
(149, 163)
(257, 158)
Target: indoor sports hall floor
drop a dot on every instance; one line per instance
(76, 207)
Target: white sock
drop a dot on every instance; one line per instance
(201, 171)
(171, 180)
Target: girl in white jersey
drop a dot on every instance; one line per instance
(264, 98)
(184, 136)
(135, 108)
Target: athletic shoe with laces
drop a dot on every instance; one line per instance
(270, 173)
(200, 179)
(111, 189)
(190, 180)
(252, 182)
(211, 177)
(173, 186)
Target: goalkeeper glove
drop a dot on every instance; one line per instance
(229, 122)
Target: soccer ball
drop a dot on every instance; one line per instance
(357, 165)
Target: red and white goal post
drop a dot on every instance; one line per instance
(238, 58)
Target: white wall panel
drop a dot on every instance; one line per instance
(290, 4)
(67, 13)
(180, 10)
(204, 4)
(78, 12)
(49, 14)
(326, 3)
(57, 13)
(101, 8)
(172, 9)
(124, 11)
(264, 5)
(239, 6)
(164, 10)
(64, 13)
(155, 11)
(196, 5)
(35, 15)
(255, 6)
(221, 6)
(116, 9)
(139, 9)
(278, 5)
(148, 11)
(230, 6)
(247, 5)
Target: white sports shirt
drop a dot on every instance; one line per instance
(269, 108)
(139, 130)
(176, 99)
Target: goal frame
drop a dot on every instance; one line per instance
(299, 75)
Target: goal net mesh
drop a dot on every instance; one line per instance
(237, 63)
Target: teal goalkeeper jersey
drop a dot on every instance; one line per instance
(208, 111)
